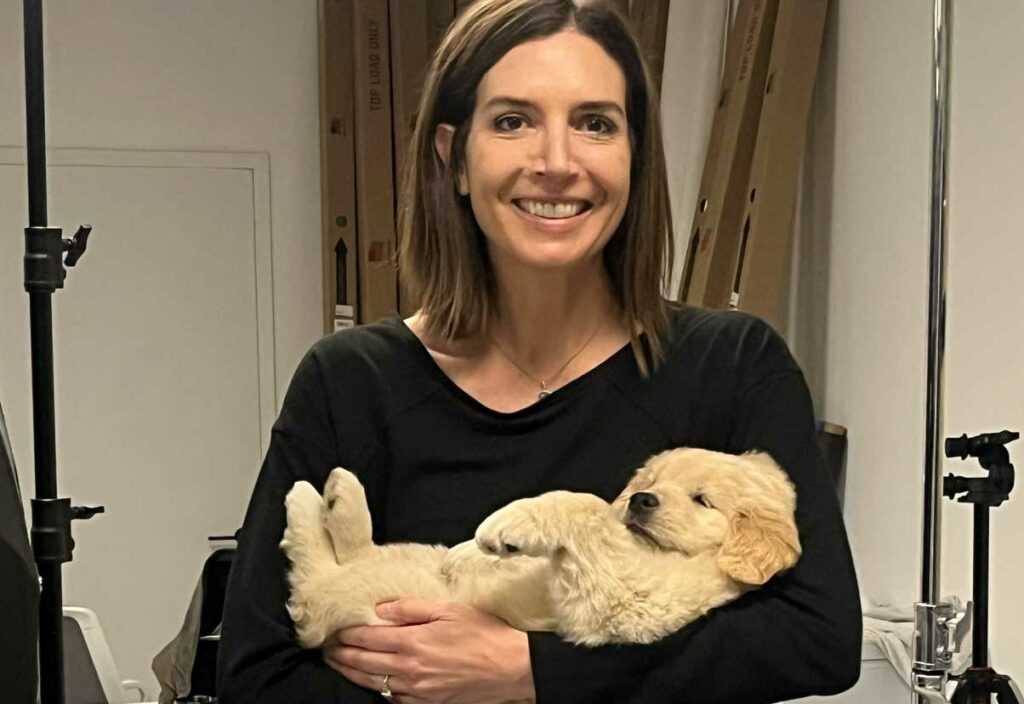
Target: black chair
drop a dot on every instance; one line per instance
(214, 579)
(832, 443)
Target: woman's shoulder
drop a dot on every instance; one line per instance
(731, 337)
(720, 327)
(380, 341)
(376, 355)
(372, 366)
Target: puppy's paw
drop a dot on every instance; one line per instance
(346, 514)
(303, 507)
(513, 530)
(541, 526)
(304, 535)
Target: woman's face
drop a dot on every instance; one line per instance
(534, 138)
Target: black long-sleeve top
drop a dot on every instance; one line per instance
(435, 462)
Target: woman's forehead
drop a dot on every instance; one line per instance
(561, 70)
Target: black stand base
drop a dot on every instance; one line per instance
(978, 684)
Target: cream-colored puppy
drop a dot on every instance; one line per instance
(693, 530)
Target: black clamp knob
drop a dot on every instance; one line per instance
(75, 247)
(84, 513)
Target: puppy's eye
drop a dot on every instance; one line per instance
(330, 504)
(702, 500)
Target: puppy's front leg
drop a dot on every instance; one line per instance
(540, 526)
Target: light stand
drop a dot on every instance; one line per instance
(979, 682)
(939, 627)
(44, 274)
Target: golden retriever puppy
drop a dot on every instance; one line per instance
(693, 530)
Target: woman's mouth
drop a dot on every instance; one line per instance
(553, 219)
(552, 211)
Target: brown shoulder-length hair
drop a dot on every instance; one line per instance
(443, 263)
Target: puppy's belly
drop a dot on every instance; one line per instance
(392, 571)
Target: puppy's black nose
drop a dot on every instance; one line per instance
(643, 502)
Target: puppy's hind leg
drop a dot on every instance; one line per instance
(346, 514)
(306, 541)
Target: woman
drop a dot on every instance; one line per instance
(542, 357)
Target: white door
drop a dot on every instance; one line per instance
(163, 348)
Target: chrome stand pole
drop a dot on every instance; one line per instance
(938, 627)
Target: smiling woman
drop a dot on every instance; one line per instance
(546, 189)
(535, 235)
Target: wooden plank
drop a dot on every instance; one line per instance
(650, 18)
(770, 205)
(417, 27)
(337, 161)
(378, 282)
(714, 245)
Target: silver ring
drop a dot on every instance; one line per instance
(385, 691)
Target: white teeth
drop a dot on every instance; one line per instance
(549, 210)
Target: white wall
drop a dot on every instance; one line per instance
(231, 75)
(192, 75)
(861, 309)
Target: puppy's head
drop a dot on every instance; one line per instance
(346, 514)
(740, 507)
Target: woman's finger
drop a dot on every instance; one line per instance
(372, 682)
(368, 661)
(412, 610)
(375, 683)
(385, 639)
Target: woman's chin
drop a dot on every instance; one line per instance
(553, 258)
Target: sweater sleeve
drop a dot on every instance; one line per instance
(259, 660)
(799, 635)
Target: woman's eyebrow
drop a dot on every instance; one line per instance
(599, 105)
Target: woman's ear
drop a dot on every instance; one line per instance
(758, 545)
(443, 137)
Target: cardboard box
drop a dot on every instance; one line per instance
(650, 18)
(762, 270)
(337, 158)
(375, 193)
(709, 276)
(623, 7)
(417, 27)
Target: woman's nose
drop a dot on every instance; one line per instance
(554, 155)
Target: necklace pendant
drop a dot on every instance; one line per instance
(543, 390)
(543, 394)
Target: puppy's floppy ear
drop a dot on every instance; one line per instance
(759, 544)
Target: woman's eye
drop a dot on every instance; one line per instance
(609, 125)
(503, 120)
(511, 123)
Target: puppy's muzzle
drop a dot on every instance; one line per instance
(642, 504)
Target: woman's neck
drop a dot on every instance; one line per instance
(543, 318)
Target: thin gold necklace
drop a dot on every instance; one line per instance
(543, 383)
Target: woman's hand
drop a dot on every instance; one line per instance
(436, 652)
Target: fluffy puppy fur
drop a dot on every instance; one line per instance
(692, 530)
